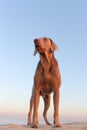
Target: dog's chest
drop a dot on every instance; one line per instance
(46, 86)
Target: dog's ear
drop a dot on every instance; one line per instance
(35, 52)
(53, 46)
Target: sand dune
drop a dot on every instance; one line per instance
(68, 126)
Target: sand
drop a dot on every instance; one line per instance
(68, 126)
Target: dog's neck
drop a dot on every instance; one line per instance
(46, 60)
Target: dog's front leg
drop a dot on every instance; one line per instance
(56, 109)
(30, 112)
(36, 104)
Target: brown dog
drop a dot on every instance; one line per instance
(47, 79)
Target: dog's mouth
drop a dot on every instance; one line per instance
(39, 49)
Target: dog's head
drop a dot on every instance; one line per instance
(44, 46)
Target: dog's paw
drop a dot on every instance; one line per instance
(29, 124)
(34, 126)
(57, 125)
(48, 123)
(29, 121)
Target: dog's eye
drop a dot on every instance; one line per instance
(45, 38)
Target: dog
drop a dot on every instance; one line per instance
(47, 79)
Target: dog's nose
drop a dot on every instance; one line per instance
(35, 40)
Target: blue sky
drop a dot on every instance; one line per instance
(63, 21)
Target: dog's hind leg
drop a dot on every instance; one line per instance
(46, 107)
(31, 109)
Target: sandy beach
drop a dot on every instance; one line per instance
(67, 126)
